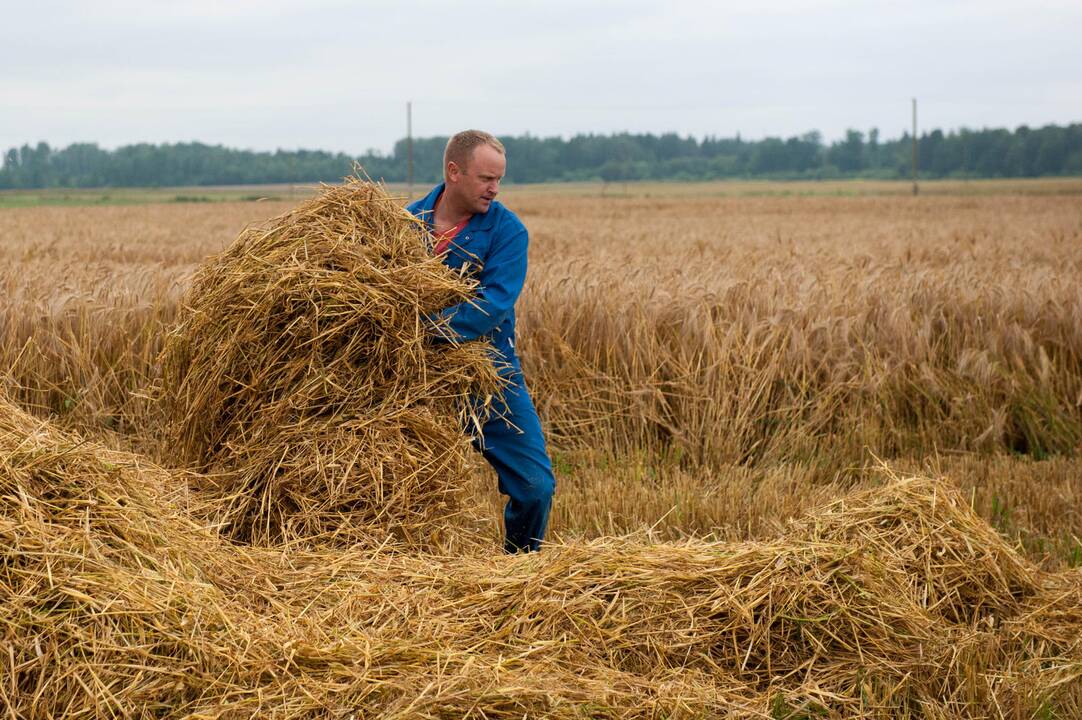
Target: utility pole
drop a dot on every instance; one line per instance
(915, 190)
(965, 154)
(409, 148)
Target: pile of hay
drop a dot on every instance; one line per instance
(118, 603)
(303, 375)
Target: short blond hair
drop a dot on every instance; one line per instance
(461, 145)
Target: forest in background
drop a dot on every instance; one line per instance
(989, 153)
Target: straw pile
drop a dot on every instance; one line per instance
(118, 603)
(953, 562)
(303, 376)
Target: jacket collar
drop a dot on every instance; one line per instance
(480, 221)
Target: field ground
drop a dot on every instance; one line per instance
(293, 192)
(709, 360)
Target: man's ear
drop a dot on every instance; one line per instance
(453, 171)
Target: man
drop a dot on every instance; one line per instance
(471, 228)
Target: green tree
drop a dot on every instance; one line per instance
(848, 155)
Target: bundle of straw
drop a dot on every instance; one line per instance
(952, 561)
(303, 374)
(117, 603)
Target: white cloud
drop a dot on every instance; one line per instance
(336, 74)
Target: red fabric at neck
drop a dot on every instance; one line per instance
(444, 238)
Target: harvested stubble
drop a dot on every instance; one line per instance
(117, 603)
(303, 374)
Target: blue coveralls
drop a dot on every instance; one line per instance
(494, 245)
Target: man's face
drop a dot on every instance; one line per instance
(477, 184)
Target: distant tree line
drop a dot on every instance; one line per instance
(1025, 152)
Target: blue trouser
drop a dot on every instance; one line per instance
(521, 462)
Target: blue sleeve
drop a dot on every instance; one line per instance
(500, 281)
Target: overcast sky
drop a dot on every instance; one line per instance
(336, 75)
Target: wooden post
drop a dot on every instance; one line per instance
(409, 148)
(915, 189)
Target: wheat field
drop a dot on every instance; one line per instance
(703, 364)
(735, 381)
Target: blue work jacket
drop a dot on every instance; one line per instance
(492, 248)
